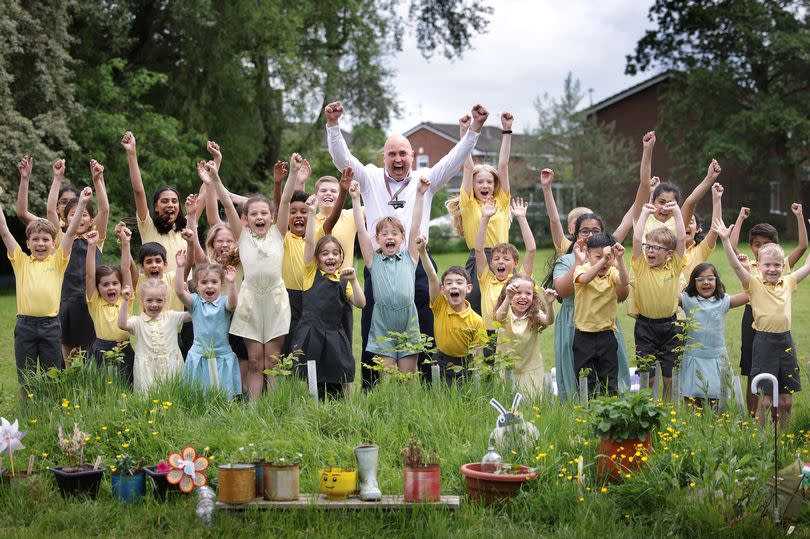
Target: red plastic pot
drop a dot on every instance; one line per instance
(490, 487)
(615, 457)
(422, 483)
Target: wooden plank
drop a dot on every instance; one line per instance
(320, 501)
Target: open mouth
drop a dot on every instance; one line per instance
(484, 193)
(327, 200)
(299, 224)
(454, 294)
(398, 169)
(330, 265)
(390, 244)
(111, 296)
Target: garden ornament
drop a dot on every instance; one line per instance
(367, 456)
(511, 422)
(187, 469)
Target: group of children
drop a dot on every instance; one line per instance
(278, 278)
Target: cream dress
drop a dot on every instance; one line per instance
(529, 372)
(157, 353)
(263, 311)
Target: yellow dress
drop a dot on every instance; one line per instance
(516, 336)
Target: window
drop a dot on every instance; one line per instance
(775, 204)
(422, 161)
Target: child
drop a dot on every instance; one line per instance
(103, 291)
(479, 184)
(457, 328)
(332, 218)
(504, 258)
(152, 264)
(770, 293)
(328, 290)
(658, 288)
(292, 265)
(38, 279)
(262, 315)
(74, 318)
(523, 315)
(759, 235)
(598, 286)
(157, 352)
(562, 244)
(392, 278)
(706, 303)
(211, 317)
(63, 194)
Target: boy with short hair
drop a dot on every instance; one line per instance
(37, 334)
(153, 265)
(600, 280)
(770, 291)
(456, 327)
(658, 288)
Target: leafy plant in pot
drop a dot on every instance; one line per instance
(339, 479)
(421, 473)
(624, 423)
(128, 480)
(282, 472)
(77, 477)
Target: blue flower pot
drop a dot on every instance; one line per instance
(128, 488)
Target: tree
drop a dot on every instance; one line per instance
(740, 88)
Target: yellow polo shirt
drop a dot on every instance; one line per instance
(105, 317)
(595, 303)
(172, 241)
(771, 303)
(292, 264)
(657, 289)
(498, 226)
(562, 248)
(173, 302)
(39, 282)
(455, 333)
(695, 254)
(653, 223)
(756, 273)
(490, 288)
(345, 232)
(309, 278)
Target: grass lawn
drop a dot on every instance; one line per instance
(707, 475)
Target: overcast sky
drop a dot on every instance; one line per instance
(530, 47)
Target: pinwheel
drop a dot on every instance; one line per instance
(186, 469)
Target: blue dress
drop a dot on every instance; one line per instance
(392, 279)
(211, 322)
(705, 355)
(564, 340)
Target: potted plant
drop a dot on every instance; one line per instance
(77, 477)
(489, 487)
(10, 436)
(623, 424)
(157, 477)
(339, 479)
(421, 474)
(128, 480)
(282, 472)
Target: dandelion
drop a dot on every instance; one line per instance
(124, 446)
(30, 395)
(604, 490)
(33, 421)
(692, 484)
(581, 499)
(44, 455)
(65, 403)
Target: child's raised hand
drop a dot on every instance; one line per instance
(92, 238)
(305, 172)
(346, 178)
(312, 205)
(191, 205)
(421, 243)
(654, 181)
(423, 186)
(279, 171)
(580, 251)
(213, 149)
(296, 162)
(744, 213)
(123, 232)
(347, 273)
(618, 251)
(213, 172)
(796, 208)
(519, 207)
(26, 166)
(188, 234)
(354, 190)
(128, 142)
(127, 292)
(717, 191)
(203, 174)
(511, 290)
(464, 124)
(86, 195)
(647, 208)
(506, 120)
(722, 230)
(333, 112)
(96, 171)
(744, 262)
(672, 207)
(648, 140)
(59, 169)
(550, 294)
(714, 170)
(546, 177)
(607, 254)
(180, 257)
(488, 208)
(230, 274)
(479, 114)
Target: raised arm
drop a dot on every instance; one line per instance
(309, 234)
(623, 286)
(141, 206)
(717, 213)
(594, 269)
(190, 235)
(416, 220)
(700, 191)
(73, 226)
(488, 209)
(506, 150)
(503, 309)
(129, 271)
(802, 272)
(467, 168)
(90, 265)
(123, 322)
(346, 178)
(680, 229)
(547, 316)
(180, 286)
(735, 230)
(554, 223)
(645, 173)
(564, 285)
(796, 254)
(296, 162)
(638, 229)
(625, 226)
(363, 237)
(8, 237)
(233, 288)
(723, 232)
(25, 166)
(193, 245)
(210, 177)
(448, 165)
(434, 285)
(58, 169)
(338, 150)
(358, 296)
(279, 173)
(519, 209)
(215, 151)
(103, 213)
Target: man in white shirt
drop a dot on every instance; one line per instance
(391, 191)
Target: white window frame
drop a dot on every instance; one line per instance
(775, 199)
(422, 161)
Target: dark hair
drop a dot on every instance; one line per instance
(548, 281)
(699, 234)
(598, 241)
(764, 230)
(666, 187)
(67, 189)
(161, 225)
(72, 203)
(151, 248)
(299, 196)
(328, 239)
(691, 286)
(456, 270)
(105, 269)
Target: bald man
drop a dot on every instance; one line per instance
(391, 190)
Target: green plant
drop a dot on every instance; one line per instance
(414, 454)
(125, 464)
(283, 453)
(73, 446)
(286, 364)
(626, 416)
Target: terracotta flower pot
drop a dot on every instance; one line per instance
(237, 483)
(491, 487)
(78, 480)
(160, 486)
(422, 483)
(281, 483)
(619, 458)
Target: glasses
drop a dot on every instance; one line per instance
(653, 248)
(585, 232)
(705, 279)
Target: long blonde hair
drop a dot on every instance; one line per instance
(538, 305)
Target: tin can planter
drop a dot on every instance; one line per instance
(337, 483)
(78, 480)
(281, 483)
(259, 464)
(17, 479)
(619, 458)
(236, 483)
(491, 487)
(129, 488)
(160, 486)
(422, 484)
